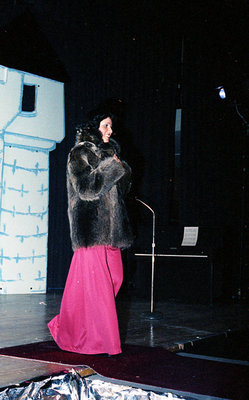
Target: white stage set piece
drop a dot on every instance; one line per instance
(31, 122)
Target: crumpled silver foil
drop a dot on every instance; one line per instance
(64, 386)
(100, 390)
(71, 386)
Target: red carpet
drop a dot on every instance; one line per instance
(152, 366)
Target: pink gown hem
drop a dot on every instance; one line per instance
(87, 322)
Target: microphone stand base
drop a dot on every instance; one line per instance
(152, 316)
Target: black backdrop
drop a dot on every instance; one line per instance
(127, 53)
(139, 52)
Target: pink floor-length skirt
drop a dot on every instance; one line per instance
(87, 322)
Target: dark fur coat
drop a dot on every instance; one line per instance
(97, 185)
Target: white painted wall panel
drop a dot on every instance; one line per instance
(25, 141)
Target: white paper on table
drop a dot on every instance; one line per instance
(190, 235)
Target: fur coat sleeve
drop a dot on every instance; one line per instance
(93, 171)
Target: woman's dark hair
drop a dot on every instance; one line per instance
(111, 107)
(92, 123)
(96, 116)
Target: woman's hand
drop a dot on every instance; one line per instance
(117, 159)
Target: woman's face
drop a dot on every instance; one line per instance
(105, 127)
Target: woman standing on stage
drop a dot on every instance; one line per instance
(97, 182)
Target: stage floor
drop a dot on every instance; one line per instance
(24, 320)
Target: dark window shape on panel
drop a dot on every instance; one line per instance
(28, 98)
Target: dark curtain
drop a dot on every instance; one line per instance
(129, 52)
(134, 51)
(213, 137)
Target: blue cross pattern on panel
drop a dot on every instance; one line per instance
(26, 138)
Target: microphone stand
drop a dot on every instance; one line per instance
(152, 315)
